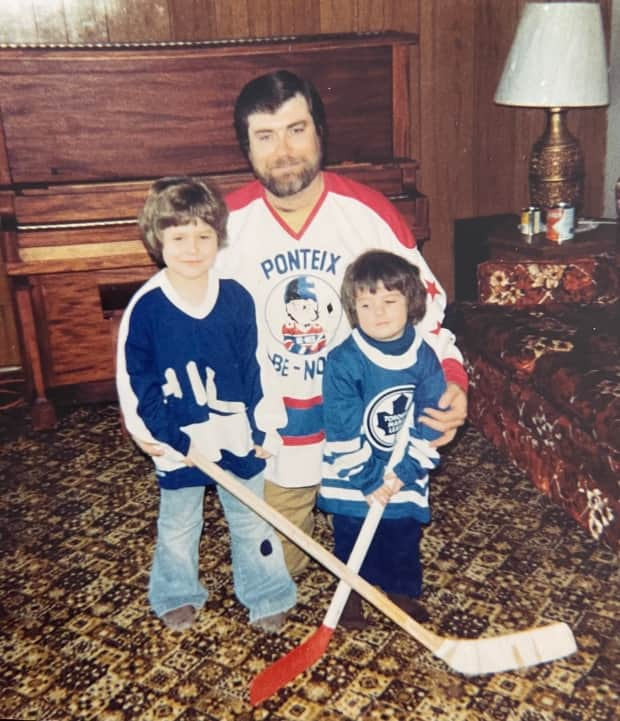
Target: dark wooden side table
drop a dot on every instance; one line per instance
(505, 241)
(497, 236)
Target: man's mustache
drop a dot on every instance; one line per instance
(285, 162)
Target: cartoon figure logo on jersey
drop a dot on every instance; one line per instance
(304, 317)
(302, 333)
(385, 415)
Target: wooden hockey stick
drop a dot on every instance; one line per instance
(467, 656)
(295, 662)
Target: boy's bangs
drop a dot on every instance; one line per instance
(183, 217)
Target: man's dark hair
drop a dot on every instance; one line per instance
(394, 271)
(267, 93)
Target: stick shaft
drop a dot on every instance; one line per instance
(427, 638)
(364, 539)
(302, 657)
(368, 529)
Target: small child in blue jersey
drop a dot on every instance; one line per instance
(188, 377)
(370, 382)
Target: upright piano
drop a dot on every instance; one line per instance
(85, 129)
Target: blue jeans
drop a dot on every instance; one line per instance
(261, 580)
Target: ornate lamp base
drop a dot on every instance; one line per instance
(556, 165)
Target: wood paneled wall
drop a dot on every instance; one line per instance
(473, 153)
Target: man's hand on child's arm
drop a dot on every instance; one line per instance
(454, 403)
(262, 452)
(391, 485)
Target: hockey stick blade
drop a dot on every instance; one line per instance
(492, 655)
(472, 657)
(288, 667)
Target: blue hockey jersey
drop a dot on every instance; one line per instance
(368, 390)
(190, 374)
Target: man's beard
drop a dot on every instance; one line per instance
(292, 182)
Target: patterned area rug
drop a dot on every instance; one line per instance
(78, 640)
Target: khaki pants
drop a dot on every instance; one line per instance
(297, 504)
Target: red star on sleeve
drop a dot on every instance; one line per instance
(432, 289)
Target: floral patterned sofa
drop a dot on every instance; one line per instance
(542, 353)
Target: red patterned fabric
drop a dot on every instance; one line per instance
(572, 359)
(527, 283)
(543, 355)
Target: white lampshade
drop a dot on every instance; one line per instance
(557, 58)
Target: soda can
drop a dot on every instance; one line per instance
(531, 222)
(561, 222)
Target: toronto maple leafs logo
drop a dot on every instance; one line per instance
(385, 415)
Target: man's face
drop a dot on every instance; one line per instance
(285, 149)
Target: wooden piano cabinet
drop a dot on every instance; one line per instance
(85, 130)
(69, 325)
(75, 323)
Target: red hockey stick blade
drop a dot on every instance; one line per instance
(294, 663)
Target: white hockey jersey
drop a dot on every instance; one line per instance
(295, 280)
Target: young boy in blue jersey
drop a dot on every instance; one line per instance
(187, 376)
(371, 380)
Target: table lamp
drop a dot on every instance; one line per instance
(557, 61)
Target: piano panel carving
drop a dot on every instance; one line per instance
(86, 129)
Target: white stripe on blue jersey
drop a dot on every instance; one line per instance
(369, 395)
